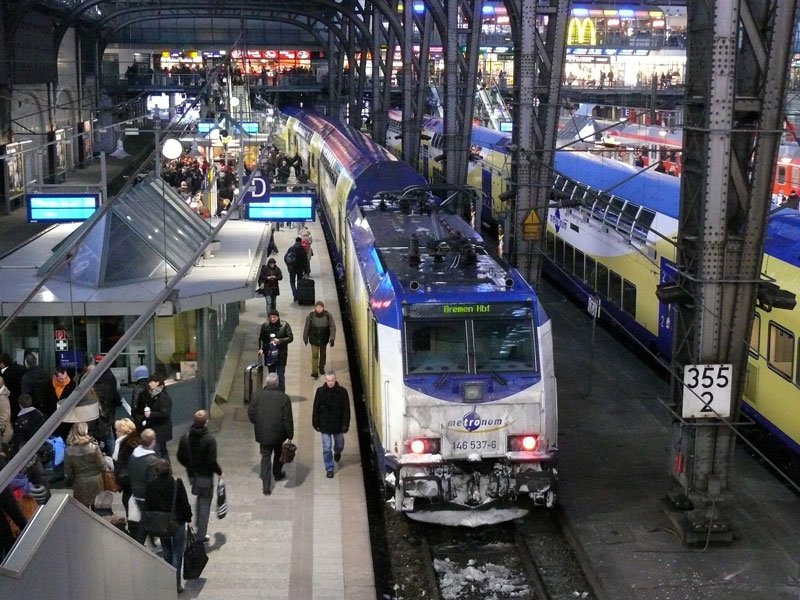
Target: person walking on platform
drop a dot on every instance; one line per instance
(319, 331)
(296, 259)
(154, 410)
(140, 473)
(36, 383)
(197, 451)
(331, 417)
(268, 282)
(270, 412)
(283, 336)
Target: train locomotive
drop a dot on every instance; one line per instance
(454, 348)
(613, 237)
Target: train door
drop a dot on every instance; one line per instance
(666, 312)
(486, 202)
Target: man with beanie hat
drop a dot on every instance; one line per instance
(319, 330)
(283, 337)
(297, 264)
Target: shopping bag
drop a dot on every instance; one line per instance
(222, 502)
(194, 557)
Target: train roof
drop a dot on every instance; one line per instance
(783, 236)
(452, 256)
(657, 191)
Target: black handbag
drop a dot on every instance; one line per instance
(288, 450)
(194, 557)
(160, 523)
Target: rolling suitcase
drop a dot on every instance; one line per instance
(252, 379)
(305, 292)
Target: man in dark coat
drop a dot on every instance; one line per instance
(270, 412)
(197, 451)
(140, 473)
(331, 417)
(283, 337)
(12, 374)
(793, 200)
(36, 383)
(296, 259)
(319, 331)
(154, 410)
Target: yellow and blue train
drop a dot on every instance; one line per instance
(454, 348)
(615, 239)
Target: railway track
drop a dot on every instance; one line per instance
(527, 559)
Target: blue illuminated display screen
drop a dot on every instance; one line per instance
(506, 127)
(250, 127)
(204, 128)
(283, 207)
(61, 208)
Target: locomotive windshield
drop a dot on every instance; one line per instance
(469, 346)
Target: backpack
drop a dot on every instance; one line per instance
(291, 256)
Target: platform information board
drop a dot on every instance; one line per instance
(60, 208)
(289, 206)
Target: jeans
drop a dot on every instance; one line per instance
(281, 371)
(269, 471)
(328, 439)
(271, 302)
(319, 355)
(202, 510)
(172, 549)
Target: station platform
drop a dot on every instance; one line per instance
(614, 438)
(310, 538)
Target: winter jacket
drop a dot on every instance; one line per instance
(36, 383)
(57, 393)
(271, 286)
(270, 412)
(283, 333)
(197, 451)
(158, 496)
(6, 428)
(28, 422)
(331, 409)
(140, 470)
(160, 419)
(12, 375)
(319, 328)
(83, 465)
(301, 263)
(126, 448)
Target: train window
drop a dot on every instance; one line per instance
(643, 223)
(781, 175)
(780, 350)
(755, 336)
(436, 347)
(504, 345)
(629, 297)
(550, 244)
(614, 288)
(614, 210)
(602, 279)
(579, 266)
(599, 204)
(628, 216)
(569, 258)
(375, 349)
(591, 270)
(559, 256)
(795, 177)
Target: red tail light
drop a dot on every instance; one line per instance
(523, 443)
(423, 445)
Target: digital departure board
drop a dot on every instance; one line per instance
(467, 310)
(61, 208)
(282, 207)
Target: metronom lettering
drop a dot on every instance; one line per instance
(473, 422)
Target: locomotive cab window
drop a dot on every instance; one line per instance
(504, 346)
(780, 350)
(436, 347)
(755, 336)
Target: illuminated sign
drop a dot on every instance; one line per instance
(464, 310)
(282, 207)
(581, 32)
(61, 208)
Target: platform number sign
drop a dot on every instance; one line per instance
(593, 306)
(707, 391)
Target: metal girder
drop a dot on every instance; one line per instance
(407, 84)
(737, 63)
(540, 40)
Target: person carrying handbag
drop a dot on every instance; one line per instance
(167, 509)
(197, 452)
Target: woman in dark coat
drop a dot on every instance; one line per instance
(158, 496)
(126, 442)
(156, 414)
(269, 276)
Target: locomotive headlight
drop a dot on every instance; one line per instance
(523, 443)
(423, 445)
(472, 392)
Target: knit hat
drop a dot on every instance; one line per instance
(141, 372)
(274, 312)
